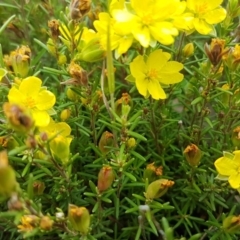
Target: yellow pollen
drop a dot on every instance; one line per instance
(146, 20)
(201, 8)
(152, 74)
(30, 102)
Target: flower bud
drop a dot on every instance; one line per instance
(152, 172)
(231, 224)
(51, 47)
(54, 27)
(62, 59)
(188, 50)
(8, 181)
(20, 60)
(91, 52)
(65, 114)
(193, 155)
(105, 142)
(60, 148)
(158, 188)
(79, 8)
(46, 223)
(73, 96)
(38, 187)
(19, 117)
(236, 137)
(131, 143)
(105, 178)
(225, 95)
(79, 218)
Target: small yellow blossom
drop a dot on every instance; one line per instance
(206, 13)
(157, 69)
(61, 139)
(33, 96)
(228, 168)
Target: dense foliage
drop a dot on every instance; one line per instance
(120, 119)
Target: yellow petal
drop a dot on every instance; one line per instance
(225, 166)
(41, 118)
(202, 26)
(63, 129)
(142, 35)
(170, 78)
(157, 59)
(155, 90)
(138, 67)
(142, 86)
(172, 66)
(214, 4)
(215, 16)
(45, 100)
(30, 86)
(15, 96)
(163, 32)
(234, 180)
(124, 44)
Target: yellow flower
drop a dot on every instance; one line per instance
(150, 20)
(33, 96)
(206, 13)
(157, 69)
(61, 139)
(228, 168)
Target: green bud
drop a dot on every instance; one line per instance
(193, 155)
(8, 181)
(79, 218)
(91, 52)
(231, 224)
(106, 142)
(188, 50)
(131, 143)
(158, 188)
(105, 178)
(21, 61)
(38, 187)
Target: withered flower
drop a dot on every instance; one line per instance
(215, 50)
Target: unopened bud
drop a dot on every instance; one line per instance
(105, 178)
(65, 114)
(236, 137)
(158, 188)
(231, 224)
(193, 155)
(106, 142)
(20, 61)
(188, 50)
(131, 142)
(38, 187)
(79, 218)
(8, 181)
(73, 96)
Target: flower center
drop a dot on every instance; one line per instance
(152, 74)
(29, 102)
(201, 8)
(146, 20)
